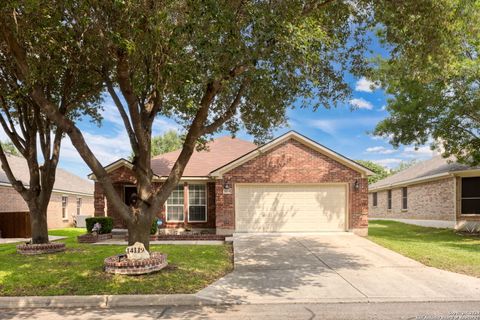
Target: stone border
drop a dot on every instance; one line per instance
(156, 262)
(92, 238)
(40, 248)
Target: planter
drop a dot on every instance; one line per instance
(42, 248)
(92, 237)
(119, 264)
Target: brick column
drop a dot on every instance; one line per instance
(99, 200)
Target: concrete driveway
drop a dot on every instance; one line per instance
(331, 267)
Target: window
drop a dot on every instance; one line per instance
(79, 206)
(197, 203)
(471, 195)
(64, 207)
(375, 199)
(404, 198)
(389, 199)
(175, 205)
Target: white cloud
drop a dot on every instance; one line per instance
(360, 103)
(365, 85)
(380, 150)
(336, 126)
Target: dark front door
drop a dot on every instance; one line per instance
(128, 192)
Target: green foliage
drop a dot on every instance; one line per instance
(154, 228)
(105, 222)
(268, 54)
(9, 147)
(380, 171)
(432, 75)
(169, 141)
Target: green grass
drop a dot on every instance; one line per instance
(78, 271)
(439, 248)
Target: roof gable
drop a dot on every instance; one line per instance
(300, 138)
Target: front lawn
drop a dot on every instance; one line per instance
(439, 248)
(79, 270)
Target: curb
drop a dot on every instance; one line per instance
(116, 301)
(104, 301)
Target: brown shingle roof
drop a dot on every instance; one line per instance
(64, 180)
(422, 170)
(220, 152)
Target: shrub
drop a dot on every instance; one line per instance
(106, 222)
(154, 228)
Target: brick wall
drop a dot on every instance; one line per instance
(293, 162)
(11, 201)
(434, 200)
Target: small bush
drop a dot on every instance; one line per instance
(154, 228)
(106, 222)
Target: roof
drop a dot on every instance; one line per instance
(218, 153)
(437, 167)
(225, 153)
(302, 139)
(64, 180)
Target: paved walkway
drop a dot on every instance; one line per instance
(15, 240)
(337, 267)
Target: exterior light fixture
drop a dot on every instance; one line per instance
(356, 185)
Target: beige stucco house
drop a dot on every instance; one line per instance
(72, 196)
(437, 192)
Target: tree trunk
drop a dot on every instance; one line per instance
(38, 222)
(139, 230)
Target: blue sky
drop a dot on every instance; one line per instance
(344, 129)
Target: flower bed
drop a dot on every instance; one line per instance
(93, 237)
(41, 248)
(119, 264)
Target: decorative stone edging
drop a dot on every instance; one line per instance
(40, 248)
(119, 264)
(92, 238)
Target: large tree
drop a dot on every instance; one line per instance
(212, 65)
(32, 135)
(433, 76)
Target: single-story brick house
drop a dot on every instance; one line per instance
(437, 192)
(71, 196)
(291, 184)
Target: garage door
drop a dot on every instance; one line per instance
(290, 208)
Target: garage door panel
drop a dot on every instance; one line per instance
(290, 208)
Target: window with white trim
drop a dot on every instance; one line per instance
(64, 207)
(197, 203)
(79, 206)
(174, 208)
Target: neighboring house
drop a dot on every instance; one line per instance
(291, 184)
(71, 196)
(436, 192)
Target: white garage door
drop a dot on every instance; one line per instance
(290, 208)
